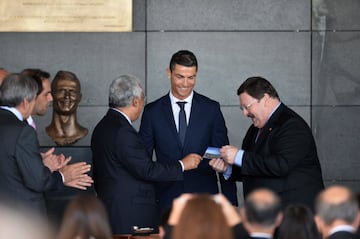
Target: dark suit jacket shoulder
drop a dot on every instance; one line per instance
(343, 235)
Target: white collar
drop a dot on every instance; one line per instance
(15, 111)
(126, 117)
(173, 99)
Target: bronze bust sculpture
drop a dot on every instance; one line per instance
(64, 128)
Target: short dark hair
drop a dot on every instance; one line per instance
(35, 72)
(184, 58)
(37, 75)
(256, 87)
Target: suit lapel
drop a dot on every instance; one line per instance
(166, 110)
(268, 126)
(196, 117)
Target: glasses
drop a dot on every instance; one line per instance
(247, 107)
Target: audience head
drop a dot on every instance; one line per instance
(182, 73)
(125, 92)
(19, 222)
(66, 92)
(44, 96)
(336, 205)
(202, 217)
(261, 211)
(298, 223)
(258, 99)
(3, 74)
(85, 218)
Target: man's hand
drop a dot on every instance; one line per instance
(75, 175)
(228, 153)
(191, 161)
(51, 160)
(230, 212)
(218, 165)
(177, 208)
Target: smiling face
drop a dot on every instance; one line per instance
(254, 109)
(66, 96)
(182, 79)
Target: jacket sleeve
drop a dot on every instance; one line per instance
(36, 176)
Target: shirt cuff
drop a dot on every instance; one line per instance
(239, 158)
(227, 172)
(182, 165)
(62, 176)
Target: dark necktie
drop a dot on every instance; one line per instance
(182, 121)
(258, 134)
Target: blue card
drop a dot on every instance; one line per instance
(212, 152)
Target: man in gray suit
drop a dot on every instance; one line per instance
(24, 175)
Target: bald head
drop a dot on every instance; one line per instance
(262, 207)
(337, 203)
(336, 195)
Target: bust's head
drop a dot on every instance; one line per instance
(66, 93)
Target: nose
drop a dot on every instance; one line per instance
(245, 112)
(186, 82)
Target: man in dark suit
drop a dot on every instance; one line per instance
(278, 151)
(124, 172)
(24, 175)
(160, 131)
(337, 213)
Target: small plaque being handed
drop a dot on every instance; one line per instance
(212, 152)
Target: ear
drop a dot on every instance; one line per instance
(279, 219)
(80, 96)
(168, 72)
(319, 223)
(243, 214)
(135, 101)
(356, 222)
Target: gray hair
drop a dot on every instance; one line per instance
(15, 88)
(123, 89)
(329, 212)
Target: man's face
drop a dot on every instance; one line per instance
(29, 108)
(182, 80)
(43, 99)
(254, 109)
(66, 97)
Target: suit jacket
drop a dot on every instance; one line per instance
(206, 128)
(343, 235)
(124, 174)
(23, 176)
(283, 159)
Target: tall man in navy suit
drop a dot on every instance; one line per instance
(205, 128)
(278, 151)
(124, 172)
